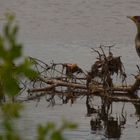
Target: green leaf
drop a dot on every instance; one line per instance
(51, 125)
(56, 135)
(8, 125)
(30, 73)
(10, 16)
(69, 125)
(42, 131)
(11, 86)
(72, 125)
(11, 110)
(6, 30)
(1, 137)
(15, 30)
(15, 52)
(26, 69)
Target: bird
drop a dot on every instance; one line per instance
(136, 20)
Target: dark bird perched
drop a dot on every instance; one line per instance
(136, 20)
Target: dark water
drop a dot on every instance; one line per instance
(64, 31)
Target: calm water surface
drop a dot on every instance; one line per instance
(64, 31)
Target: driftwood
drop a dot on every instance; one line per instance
(69, 81)
(95, 90)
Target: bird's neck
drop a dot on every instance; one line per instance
(138, 30)
(138, 36)
(137, 43)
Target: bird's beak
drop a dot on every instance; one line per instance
(132, 18)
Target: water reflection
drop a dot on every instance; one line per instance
(104, 119)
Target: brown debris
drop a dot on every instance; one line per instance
(105, 67)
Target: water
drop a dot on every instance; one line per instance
(64, 31)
